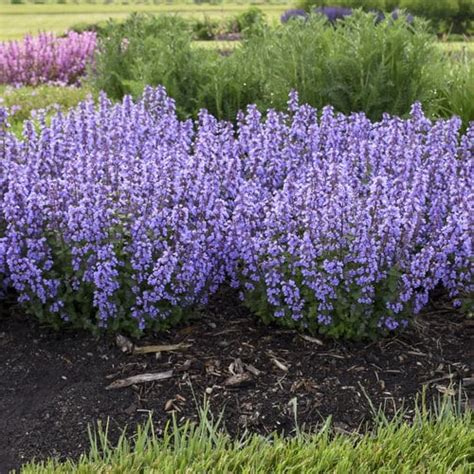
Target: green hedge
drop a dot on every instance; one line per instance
(357, 65)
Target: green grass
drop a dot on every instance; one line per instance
(17, 20)
(434, 442)
(458, 47)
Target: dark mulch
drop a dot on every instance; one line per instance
(53, 385)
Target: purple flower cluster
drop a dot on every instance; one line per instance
(46, 58)
(121, 215)
(334, 13)
(294, 14)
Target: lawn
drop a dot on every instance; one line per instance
(439, 444)
(17, 20)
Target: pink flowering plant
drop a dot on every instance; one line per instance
(47, 58)
(122, 216)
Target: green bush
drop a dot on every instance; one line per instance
(457, 93)
(206, 29)
(152, 50)
(357, 65)
(82, 27)
(249, 22)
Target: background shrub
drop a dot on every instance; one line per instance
(445, 15)
(152, 50)
(206, 29)
(250, 21)
(359, 64)
(356, 66)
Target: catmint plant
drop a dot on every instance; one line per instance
(122, 216)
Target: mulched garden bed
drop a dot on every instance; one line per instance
(52, 385)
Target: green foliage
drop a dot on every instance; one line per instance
(250, 21)
(82, 27)
(22, 101)
(152, 50)
(206, 29)
(438, 441)
(357, 65)
(457, 93)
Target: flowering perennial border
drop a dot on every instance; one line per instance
(122, 216)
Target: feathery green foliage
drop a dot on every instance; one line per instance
(357, 65)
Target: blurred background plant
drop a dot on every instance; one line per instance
(445, 16)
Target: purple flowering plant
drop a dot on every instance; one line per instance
(47, 58)
(345, 226)
(115, 216)
(294, 14)
(121, 216)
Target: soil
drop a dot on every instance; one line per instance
(53, 385)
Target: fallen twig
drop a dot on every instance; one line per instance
(160, 348)
(142, 378)
(238, 379)
(128, 346)
(311, 339)
(280, 365)
(438, 379)
(253, 370)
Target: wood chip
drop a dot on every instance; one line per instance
(238, 379)
(125, 344)
(142, 378)
(468, 381)
(311, 339)
(421, 354)
(280, 365)
(253, 370)
(169, 405)
(330, 354)
(445, 390)
(236, 367)
(160, 348)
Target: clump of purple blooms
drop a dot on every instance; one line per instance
(334, 13)
(123, 216)
(46, 58)
(294, 14)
